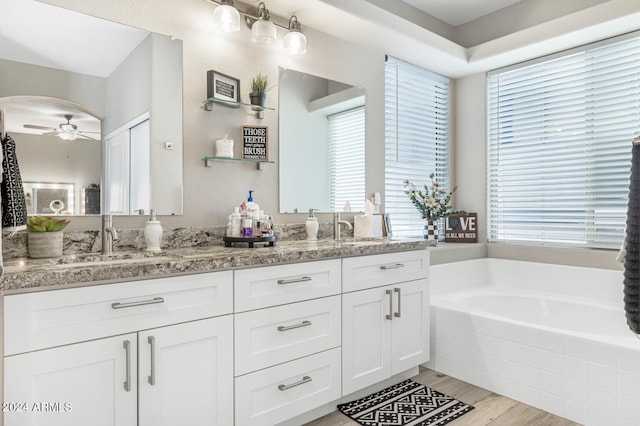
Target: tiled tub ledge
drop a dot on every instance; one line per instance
(23, 274)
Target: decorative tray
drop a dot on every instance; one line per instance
(230, 241)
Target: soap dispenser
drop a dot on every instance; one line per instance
(311, 225)
(153, 232)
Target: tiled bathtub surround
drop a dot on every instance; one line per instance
(551, 336)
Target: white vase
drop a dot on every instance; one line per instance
(44, 244)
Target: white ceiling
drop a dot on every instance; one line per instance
(458, 12)
(39, 34)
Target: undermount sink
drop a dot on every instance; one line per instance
(97, 257)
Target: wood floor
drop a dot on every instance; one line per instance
(490, 408)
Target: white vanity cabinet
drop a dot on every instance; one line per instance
(255, 346)
(154, 352)
(385, 317)
(287, 340)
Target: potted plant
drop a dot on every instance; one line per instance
(433, 203)
(44, 236)
(258, 88)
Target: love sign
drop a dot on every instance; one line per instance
(461, 228)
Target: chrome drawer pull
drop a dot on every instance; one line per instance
(152, 376)
(118, 305)
(389, 316)
(294, 280)
(399, 313)
(394, 266)
(305, 379)
(127, 350)
(291, 327)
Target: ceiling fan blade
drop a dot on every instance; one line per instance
(54, 133)
(33, 126)
(81, 135)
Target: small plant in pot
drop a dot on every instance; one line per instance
(44, 236)
(259, 86)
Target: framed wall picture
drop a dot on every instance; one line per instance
(255, 140)
(222, 87)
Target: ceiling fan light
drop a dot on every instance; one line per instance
(226, 17)
(67, 135)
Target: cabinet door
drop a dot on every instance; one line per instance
(186, 374)
(410, 325)
(90, 383)
(366, 337)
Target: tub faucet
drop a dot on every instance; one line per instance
(336, 225)
(109, 234)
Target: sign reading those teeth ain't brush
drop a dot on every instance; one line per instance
(254, 142)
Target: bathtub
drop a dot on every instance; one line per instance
(552, 336)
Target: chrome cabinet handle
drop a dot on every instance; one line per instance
(394, 266)
(397, 314)
(152, 376)
(118, 305)
(127, 350)
(291, 327)
(305, 379)
(294, 280)
(390, 315)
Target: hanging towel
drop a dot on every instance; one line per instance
(632, 255)
(14, 207)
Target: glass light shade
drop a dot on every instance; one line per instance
(295, 43)
(226, 18)
(67, 135)
(263, 32)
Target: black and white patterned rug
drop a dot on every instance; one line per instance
(407, 403)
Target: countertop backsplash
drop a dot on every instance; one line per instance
(79, 242)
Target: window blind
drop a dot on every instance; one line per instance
(559, 133)
(416, 138)
(346, 151)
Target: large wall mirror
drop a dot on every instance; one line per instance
(76, 94)
(322, 143)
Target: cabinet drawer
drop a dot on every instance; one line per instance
(53, 318)
(275, 335)
(363, 272)
(275, 394)
(276, 285)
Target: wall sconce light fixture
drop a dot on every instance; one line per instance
(263, 31)
(226, 17)
(295, 42)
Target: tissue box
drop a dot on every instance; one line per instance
(367, 226)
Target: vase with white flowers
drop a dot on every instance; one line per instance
(433, 203)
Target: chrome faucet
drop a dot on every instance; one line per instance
(109, 234)
(336, 225)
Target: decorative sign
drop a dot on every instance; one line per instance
(461, 228)
(254, 142)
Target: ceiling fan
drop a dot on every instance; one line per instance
(66, 131)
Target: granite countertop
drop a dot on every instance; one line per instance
(22, 274)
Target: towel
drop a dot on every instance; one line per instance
(14, 207)
(632, 246)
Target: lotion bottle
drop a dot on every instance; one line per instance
(311, 225)
(153, 232)
(253, 210)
